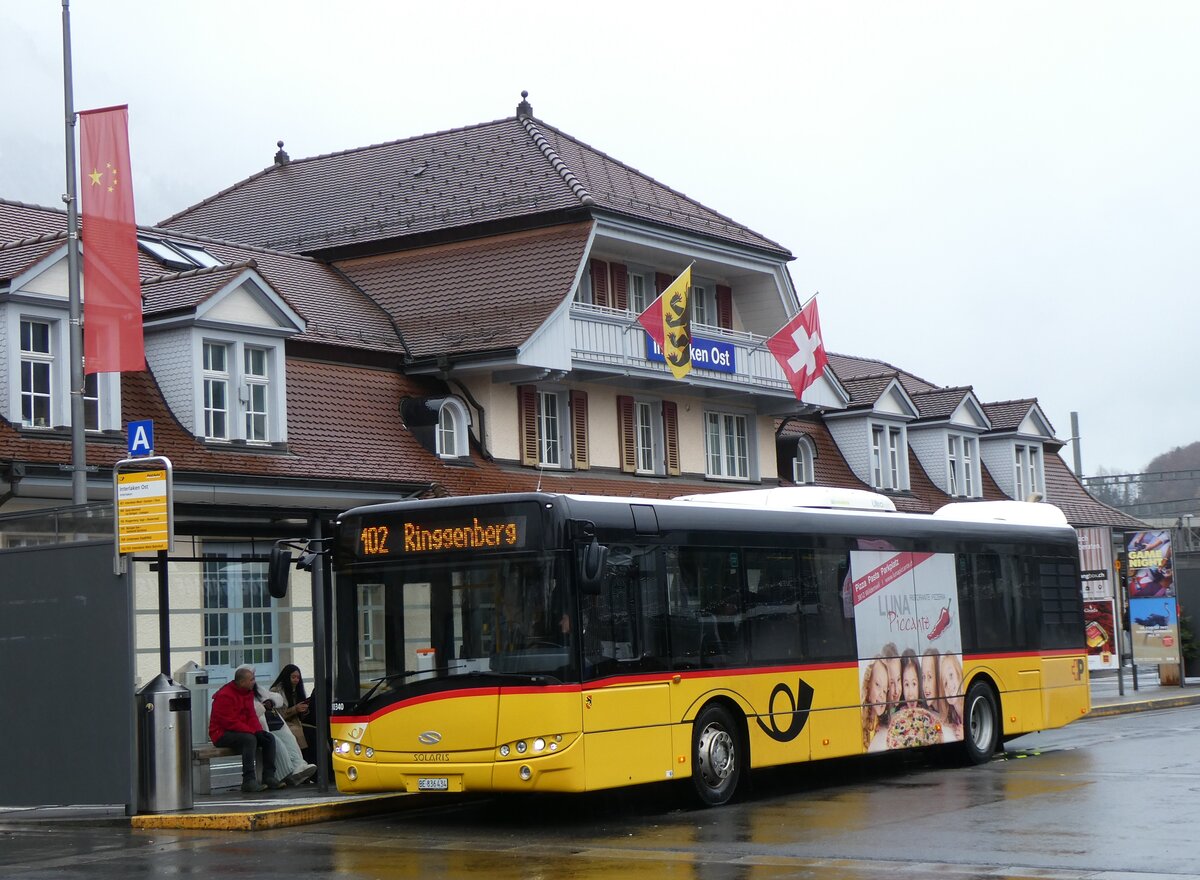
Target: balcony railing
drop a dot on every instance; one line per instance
(604, 339)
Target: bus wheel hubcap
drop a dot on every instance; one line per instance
(716, 755)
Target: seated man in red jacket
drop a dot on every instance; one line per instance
(234, 724)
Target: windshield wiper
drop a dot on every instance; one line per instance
(397, 676)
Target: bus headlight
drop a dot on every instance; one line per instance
(504, 750)
(352, 773)
(539, 744)
(521, 747)
(526, 773)
(370, 752)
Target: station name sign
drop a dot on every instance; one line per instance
(707, 354)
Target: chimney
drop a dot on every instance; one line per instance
(282, 158)
(524, 108)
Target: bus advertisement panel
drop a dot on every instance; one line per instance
(907, 627)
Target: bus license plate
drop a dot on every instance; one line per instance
(433, 783)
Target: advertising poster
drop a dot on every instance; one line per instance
(909, 648)
(1154, 626)
(1099, 624)
(1151, 575)
(1096, 563)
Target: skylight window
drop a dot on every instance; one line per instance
(177, 255)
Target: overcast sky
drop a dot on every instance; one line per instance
(1003, 195)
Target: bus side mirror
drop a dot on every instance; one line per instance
(278, 571)
(592, 560)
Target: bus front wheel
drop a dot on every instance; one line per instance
(717, 756)
(981, 727)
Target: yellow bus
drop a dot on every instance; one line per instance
(546, 642)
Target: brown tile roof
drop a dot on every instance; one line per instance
(335, 311)
(849, 367)
(480, 295)
(624, 190)
(866, 391)
(495, 171)
(1064, 490)
(1007, 415)
(941, 403)
(829, 467)
(27, 234)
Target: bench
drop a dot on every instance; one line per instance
(202, 772)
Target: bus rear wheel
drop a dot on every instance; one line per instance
(981, 727)
(717, 756)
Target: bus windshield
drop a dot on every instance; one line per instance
(417, 625)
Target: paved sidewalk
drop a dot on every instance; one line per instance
(230, 809)
(1150, 694)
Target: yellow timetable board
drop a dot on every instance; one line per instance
(143, 520)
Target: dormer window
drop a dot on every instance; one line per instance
(803, 472)
(237, 398)
(1027, 467)
(36, 362)
(452, 429)
(41, 389)
(440, 424)
(889, 455)
(961, 458)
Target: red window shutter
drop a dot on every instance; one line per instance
(724, 307)
(661, 282)
(626, 442)
(579, 433)
(670, 413)
(620, 286)
(527, 423)
(600, 283)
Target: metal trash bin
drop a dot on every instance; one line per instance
(164, 747)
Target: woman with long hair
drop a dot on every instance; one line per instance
(289, 684)
(875, 705)
(950, 685)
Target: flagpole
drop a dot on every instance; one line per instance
(78, 447)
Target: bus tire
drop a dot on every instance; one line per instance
(717, 756)
(981, 726)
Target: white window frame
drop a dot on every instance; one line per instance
(703, 308)
(40, 364)
(252, 399)
(256, 400)
(895, 457)
(803, 465)
(638, 288)
(216, 377)
(877, 435)
(1027, 471)
(452, 429)
(649, 453)
(889, 457)
(961, 459)
(720, 460)
(106, 385)
(553, 419)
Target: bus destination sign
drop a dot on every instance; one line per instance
(474, 535)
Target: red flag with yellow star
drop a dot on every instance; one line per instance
(112, 292)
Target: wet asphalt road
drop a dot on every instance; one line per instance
(1103, 799)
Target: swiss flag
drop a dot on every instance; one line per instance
(798, 347)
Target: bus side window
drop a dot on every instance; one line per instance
(826, 618)
(772, 621)
(625, 622)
